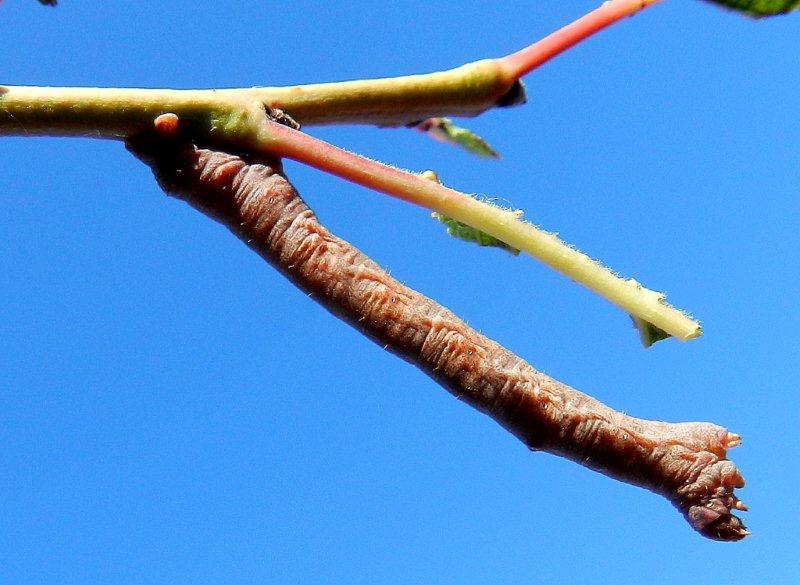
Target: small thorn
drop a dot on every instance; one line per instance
(739, 505)
(744, 532)
(167, 125)
(431, 176)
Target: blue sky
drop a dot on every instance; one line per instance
(172, 410)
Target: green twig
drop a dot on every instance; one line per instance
(117, 112)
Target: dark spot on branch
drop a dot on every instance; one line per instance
(515, 96)
(281, 117)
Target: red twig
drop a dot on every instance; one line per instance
(524, 61)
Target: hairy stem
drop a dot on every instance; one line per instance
(506, 226)
(684, 462)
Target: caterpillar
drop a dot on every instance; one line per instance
(684, 462)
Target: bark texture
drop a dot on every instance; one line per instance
(684, 462)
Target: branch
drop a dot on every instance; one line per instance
(685, 462)
(234, 119)
(467, 90)
(243, 125)
(96, 112)
(649, 309)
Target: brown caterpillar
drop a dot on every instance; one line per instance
(684, 462)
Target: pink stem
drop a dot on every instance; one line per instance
(283, 141)
(524, 61)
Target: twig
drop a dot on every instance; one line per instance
(467, 90)
(684, 462)
(101, 112)
(526, 60)
(647, 306)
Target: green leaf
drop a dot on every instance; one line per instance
(760, 8)
(648, 333)
(469, 234)
(443, 130)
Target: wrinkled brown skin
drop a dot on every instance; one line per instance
(684, 462)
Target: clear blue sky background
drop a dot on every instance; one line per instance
(173, 411)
